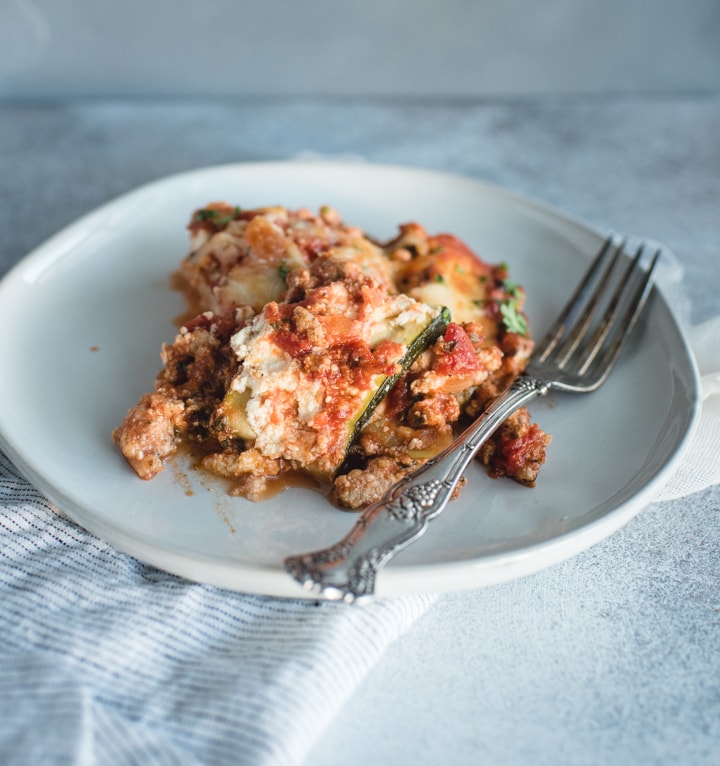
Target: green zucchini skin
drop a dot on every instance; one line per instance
(420, 343)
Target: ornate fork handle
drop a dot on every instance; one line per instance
(348, 570)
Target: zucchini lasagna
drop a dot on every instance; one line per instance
(315, 350)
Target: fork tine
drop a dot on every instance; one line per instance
(594, 342)
(594, 308)
(578, 299)
(611, 335)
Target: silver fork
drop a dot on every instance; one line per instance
(576, 356)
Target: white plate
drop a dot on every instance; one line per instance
(84, 316)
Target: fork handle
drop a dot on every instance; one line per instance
(348, 570)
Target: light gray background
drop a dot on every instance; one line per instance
(459, 48)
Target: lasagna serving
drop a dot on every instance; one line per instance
(314, 350)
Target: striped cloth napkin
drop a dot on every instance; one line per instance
(105, 660)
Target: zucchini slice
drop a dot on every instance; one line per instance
(417, 339)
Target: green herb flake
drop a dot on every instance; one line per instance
(204, 215)
(513, 320)
(209, 214)
(511, 287)
(220, 423)
(440, 278)
(283, 271)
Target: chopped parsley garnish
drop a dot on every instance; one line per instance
(204, 215)
(513, 320)
(215, 216)
(511, 287)
(440, 278)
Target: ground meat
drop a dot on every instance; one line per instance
(434, 411)
(148, 435)
(516, 350)
(361, 487)
(517, 449)
(251, 487)
(237, 465)
(197, 369)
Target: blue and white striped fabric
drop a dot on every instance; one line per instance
(105, 660)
